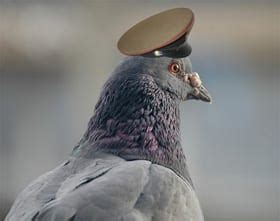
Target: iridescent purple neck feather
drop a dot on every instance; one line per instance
(136, 119)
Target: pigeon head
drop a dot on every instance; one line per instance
(175, 76)
(160, 44)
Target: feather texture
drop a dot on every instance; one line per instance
(107, 188)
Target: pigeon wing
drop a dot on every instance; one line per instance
(112, 189)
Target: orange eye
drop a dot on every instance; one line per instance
(174, 68)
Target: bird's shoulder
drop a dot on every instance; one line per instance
(39, 192)
(110, 188)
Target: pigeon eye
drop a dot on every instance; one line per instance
(174, 68)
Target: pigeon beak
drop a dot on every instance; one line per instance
(198, 91)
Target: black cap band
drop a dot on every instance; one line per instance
(178, 49)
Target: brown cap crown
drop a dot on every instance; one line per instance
(156, 32)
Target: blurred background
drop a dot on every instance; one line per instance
(55, 56)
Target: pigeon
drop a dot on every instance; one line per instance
(129, 165)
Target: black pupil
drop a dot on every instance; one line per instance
(175, 67)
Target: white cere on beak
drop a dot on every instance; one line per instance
(196, 75)
(193, 79)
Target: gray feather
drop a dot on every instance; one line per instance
(108, 188)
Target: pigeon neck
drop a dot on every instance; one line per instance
(143, 123)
